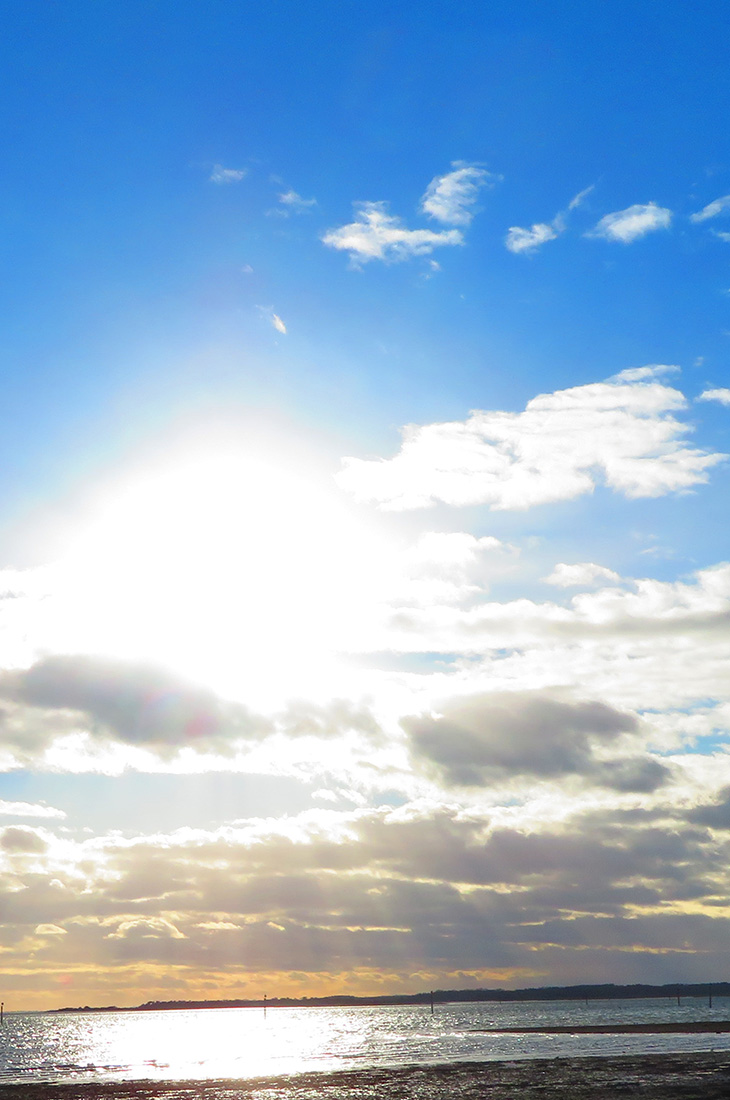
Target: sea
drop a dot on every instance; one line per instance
(244, 1043)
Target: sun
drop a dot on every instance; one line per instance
(237, 570)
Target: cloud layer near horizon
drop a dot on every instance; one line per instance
(520, 742)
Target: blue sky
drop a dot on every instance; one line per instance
(363, 494)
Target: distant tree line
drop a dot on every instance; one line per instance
(606, 992)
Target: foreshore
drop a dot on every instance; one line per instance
(688, 1027)
(652, 1076)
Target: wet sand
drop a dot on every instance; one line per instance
(653, 1077)
(693, 1027)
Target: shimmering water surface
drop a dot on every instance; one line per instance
(242, 1043)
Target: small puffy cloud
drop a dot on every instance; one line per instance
(583, 574)
(377, 235)
(717, 206)
(558, 448)
(527, 240)
(490, 738)
(633, 222)
(146, 928)
(226, 175)
(292, 203)
(451, 197)
(49, 930)
(722, 395)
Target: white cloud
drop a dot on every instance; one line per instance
(519, 239)
(583, 574)
(377, 235)
(722, 395)
(49, 930)
(28, 809)
(643, 374)
(634, 222)
(226, 175)
(580, 198)
(717, 206)
(450, 198)
(292, 203)
(273, 318)
(527, 240)
(560, 447)
(722, 236)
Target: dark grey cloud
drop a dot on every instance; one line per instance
(439, 889)
(128, 701)
(485, 738)
(715, 814)
(17, 839)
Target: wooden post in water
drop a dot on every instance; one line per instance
(432, 1002)
(709, 996)
(264, 1006)
(2, 1010)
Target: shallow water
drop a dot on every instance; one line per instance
(244, 1043)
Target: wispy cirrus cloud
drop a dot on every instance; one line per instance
(377, 235)
(580, 198)
(712, 210)
(273, 318)
(621, 431)
(521, 240)
(227, 175)
(632, 223)
(450, 198)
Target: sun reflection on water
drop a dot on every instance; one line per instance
(244, 1043)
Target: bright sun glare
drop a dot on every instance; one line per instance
(234, 570)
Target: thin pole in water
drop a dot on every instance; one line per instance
(432, 1002)
(2, 1010)
(264, 1006)
(709, 995)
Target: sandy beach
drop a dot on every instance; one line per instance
(654, 1077)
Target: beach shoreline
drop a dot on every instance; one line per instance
(654, 1076)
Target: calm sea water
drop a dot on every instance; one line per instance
(242, 1043)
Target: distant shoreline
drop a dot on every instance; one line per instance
(607, 992)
